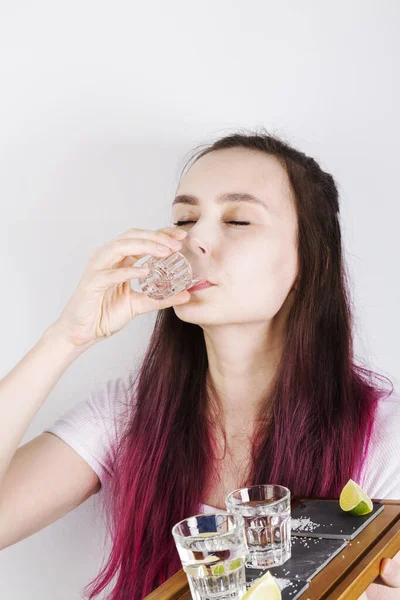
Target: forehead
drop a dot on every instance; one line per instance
(238, 170)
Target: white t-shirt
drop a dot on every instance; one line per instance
(91, 426)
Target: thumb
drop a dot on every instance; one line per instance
(141, 303)
(179, 298)
(390, 572)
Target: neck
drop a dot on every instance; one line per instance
(242, 359)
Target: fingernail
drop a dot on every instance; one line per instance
(163, 248)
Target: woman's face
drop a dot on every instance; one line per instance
(253, 265)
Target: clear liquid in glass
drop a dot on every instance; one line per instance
(268, 537)
(167, 276)
(215, 569)
(176, 272)
(266, 512)
(212, 549)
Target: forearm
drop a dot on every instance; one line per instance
(26, 387)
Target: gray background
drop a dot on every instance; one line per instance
(100, 104)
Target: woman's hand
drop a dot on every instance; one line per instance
(104, 301)
(387, 585)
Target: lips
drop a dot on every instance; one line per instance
(200, 286)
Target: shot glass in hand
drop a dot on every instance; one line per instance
(212, 550)
(266, 512)
(176, 272)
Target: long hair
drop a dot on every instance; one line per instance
(316, 420)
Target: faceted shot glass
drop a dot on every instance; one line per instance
(212, 549)
(176, 272)
(266, 512)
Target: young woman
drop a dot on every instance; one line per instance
(250, 380)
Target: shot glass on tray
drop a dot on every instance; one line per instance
(266, 513)
(212, 550)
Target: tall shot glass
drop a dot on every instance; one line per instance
(266, 512)
(212, 550)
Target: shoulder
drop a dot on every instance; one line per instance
(93, 426)
(109, 404)
(105, 408)
(381, 471)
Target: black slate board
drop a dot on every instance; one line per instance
(309, 556)
(291, 588)
(323, 518)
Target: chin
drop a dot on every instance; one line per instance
(197, 313)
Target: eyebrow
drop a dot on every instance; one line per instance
(221, 199)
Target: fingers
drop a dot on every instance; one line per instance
(176, 299)
(390, 573)
(164, 235)
(107, 277)
(377, 591)
(130, 260)
(109, 255)
(387, 585)
(130, 249)
(178, 234)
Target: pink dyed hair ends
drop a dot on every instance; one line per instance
(316, 422)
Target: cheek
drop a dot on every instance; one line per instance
(275, 263)
(263, 277)
(282, 268)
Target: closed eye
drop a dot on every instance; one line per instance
(235, 223)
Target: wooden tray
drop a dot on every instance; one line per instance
(345, 577)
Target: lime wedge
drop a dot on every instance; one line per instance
(265, 588)
(354, 500)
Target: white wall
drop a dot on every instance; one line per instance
(100, 104)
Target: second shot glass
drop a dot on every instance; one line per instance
(266, 512)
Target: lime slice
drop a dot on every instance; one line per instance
(200, 571)
(235, 564)
(354, 500)
(211, 558)
(199, 567)
(265, 588)
(218, 569)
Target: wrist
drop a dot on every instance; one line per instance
(56, 336)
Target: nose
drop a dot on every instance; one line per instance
(199, 256)
(196, 245)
